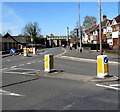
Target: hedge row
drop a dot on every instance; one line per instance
(95, 46)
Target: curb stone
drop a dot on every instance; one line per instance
(108, 79)
(84, 78)
(83, 59)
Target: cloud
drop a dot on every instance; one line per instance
(11, 21)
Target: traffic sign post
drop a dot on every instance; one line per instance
(102, 66)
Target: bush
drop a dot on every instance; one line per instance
(95, 46)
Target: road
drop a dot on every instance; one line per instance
(23, 90)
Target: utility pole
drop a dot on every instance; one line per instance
(79, 28)
(68, 36)
(100, 32)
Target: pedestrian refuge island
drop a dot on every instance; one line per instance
(48, 62)
(102, 66)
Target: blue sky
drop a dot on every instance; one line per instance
(53, 17)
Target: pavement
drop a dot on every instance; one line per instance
(90, 55)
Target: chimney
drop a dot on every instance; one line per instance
(104, 17)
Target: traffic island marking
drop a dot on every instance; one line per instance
(109, 87)
(3, 92)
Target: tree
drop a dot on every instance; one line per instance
(89, 22)
(32, 31)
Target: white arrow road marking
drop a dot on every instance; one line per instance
(3, 92)
(100, 85)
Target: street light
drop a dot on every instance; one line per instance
(68, 36)
(79, 26)
(32, 41)
(100, 33)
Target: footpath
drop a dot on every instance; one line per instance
(88, 55)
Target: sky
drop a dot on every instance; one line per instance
(52, 17)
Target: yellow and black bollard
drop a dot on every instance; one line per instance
(48, 62)
(24, 51)
(102, 66)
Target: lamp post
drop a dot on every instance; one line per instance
(32, 41)
(79, 26)
(68, 36)
(100, 33)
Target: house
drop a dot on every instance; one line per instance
(116, 32)
(109, 32)
(89, 35)
(7, 42)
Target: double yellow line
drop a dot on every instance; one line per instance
(64, 51)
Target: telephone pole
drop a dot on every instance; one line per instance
(100, 33)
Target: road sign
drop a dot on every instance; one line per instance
(12, 51)
(105, 60)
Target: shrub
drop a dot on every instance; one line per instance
(95, 46)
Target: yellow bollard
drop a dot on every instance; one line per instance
(34, 50)
(102, 66)
(24, 51)
(48, 62)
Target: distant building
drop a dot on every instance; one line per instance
(56, 41)
(7, 42)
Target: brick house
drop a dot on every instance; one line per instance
(116, 32)
(110, 32)
(7, 42)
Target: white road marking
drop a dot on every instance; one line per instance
(25, 68)
(100, 85)
(28, 63)
(43, 52)
(21, 73)
(68, 106)
(33, 62)
(3, 92)
(4, 68)
(13, 66)
(115, 85)
(8, 60)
